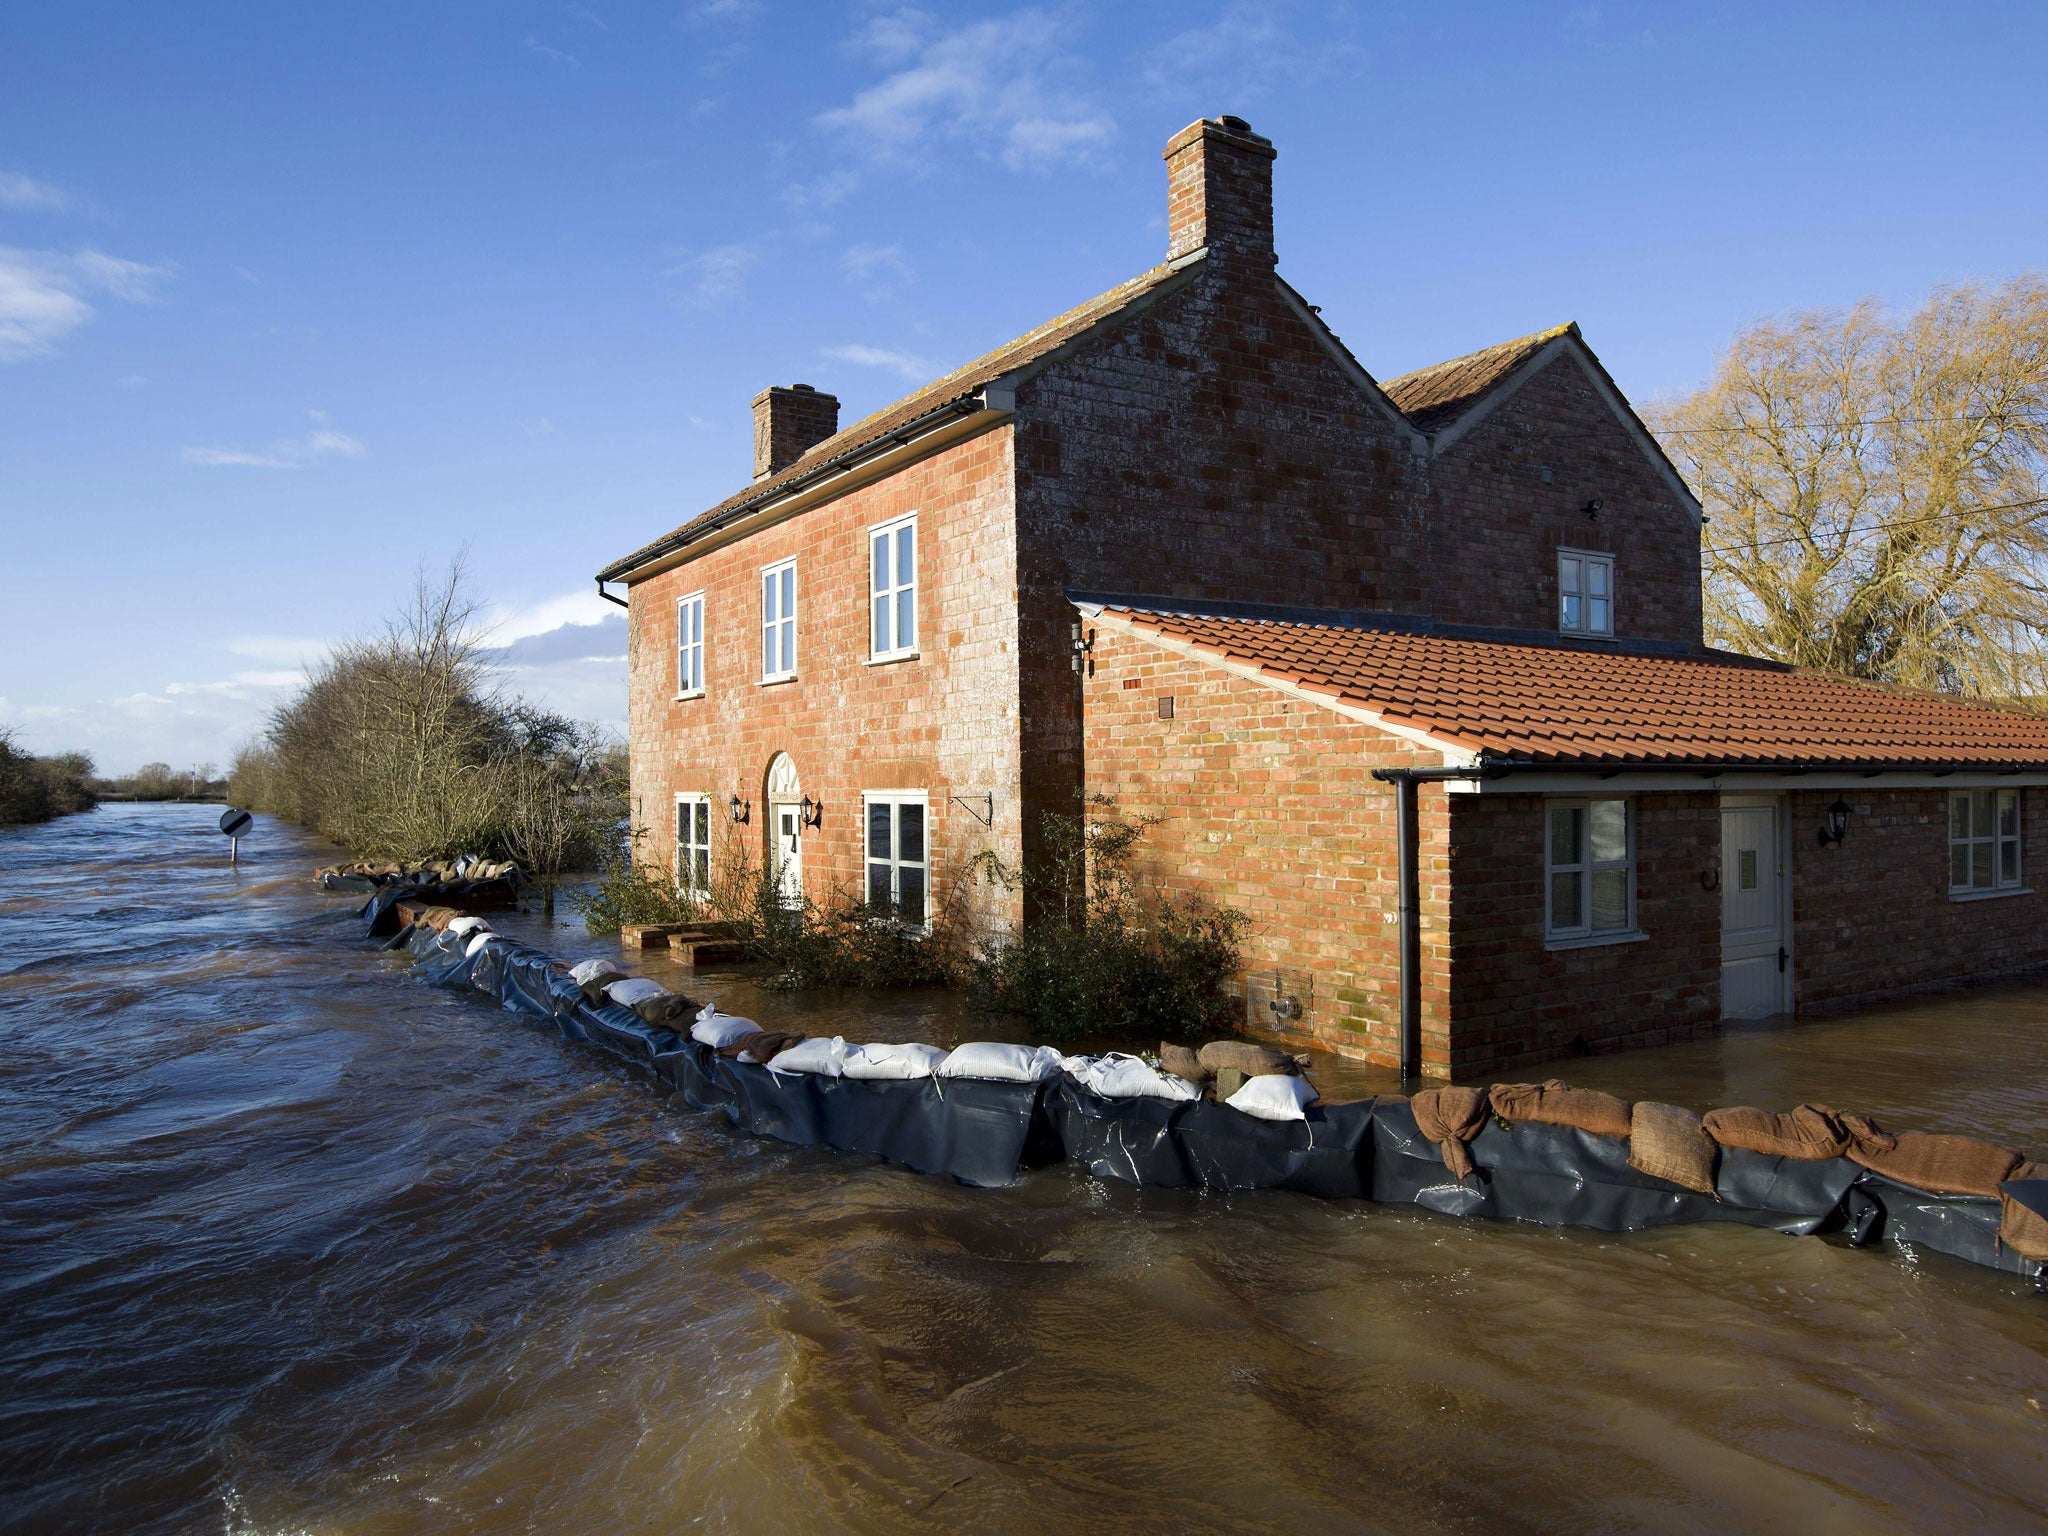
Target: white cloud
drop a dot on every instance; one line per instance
(715, 278)
(1244, 54)
(502, 626)
(43, 295)
(915, 369)
(27, 195)
(317, 446)
(279, 650)
(878, 271)
(182, 723)
(546, 51)
(1008, 85)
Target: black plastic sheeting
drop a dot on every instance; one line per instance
(989, 1133)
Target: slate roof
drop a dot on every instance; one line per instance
(1435, 396)
(958, 386)
(1560, 704)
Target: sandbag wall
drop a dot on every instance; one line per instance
(988, 1133)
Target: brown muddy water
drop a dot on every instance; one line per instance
(289, 1243)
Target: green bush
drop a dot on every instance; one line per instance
(1104, 953)
(41, 788)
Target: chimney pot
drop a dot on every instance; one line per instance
(1219, 191)
(789, 420)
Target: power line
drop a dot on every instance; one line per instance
(1903, 522)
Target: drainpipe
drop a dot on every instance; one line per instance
(1404, 781)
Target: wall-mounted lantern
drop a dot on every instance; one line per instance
(1834, 823)
(740, 810)
(810, 812)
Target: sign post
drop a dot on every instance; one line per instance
(235, 823)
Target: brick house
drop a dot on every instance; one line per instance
(1414, 670)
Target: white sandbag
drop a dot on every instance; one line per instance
(718, 1030)
(594, 970)
(892, 1063)
(1119, 1076)
(1002, 1063)
(463, 925)
(817, 1055)
(478, 940)
(1274, 1096)
(634, 990)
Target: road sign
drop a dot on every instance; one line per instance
(235, 823)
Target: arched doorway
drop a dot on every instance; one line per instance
(784, 799)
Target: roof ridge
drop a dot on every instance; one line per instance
(1433, 396)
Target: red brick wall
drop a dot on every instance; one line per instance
(1209, 448)
(1270, 807)
(1496, 525)
(1514, 1002)
(945, 722)
(1872, 917)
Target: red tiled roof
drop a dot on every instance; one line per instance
(958, 385)
(1435, 396)
(1575, 704)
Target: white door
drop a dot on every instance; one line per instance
(789, 852)
(1756, 971)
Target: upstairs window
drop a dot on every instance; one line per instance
(1585, 592)
(693, 846)
(892, 589)
(778, 622)
(1590, 892)
(1983, 840)
(896, 855)
(690, 646)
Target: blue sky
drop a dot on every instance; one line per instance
(294, 299)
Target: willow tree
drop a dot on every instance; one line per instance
(1874, 489)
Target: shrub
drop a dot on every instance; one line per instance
(1105, 953)
(41, 788)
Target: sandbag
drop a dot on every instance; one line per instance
(818, 1055)
(438, 918)
(467, 925)
(1667, 1142)
(1809, 1132)
(1944, 1165)
(1119, 1076)
(1274, 1096)
(593, 976)
(993, 1062)
(718, 1030)
(1552, 1103)
(1183, 1062)
(2023, 1230)
(1450, 1118)
(1251, 1060)
(891, 1063)
(478, 938)
(762, 1046)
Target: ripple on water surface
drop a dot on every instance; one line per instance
(294, 1244)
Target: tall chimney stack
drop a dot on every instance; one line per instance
(1219, 191)
(788, 420)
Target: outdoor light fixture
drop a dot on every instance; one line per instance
(811, 812)
(741, 809)
(1592, 508)
(1834, 821)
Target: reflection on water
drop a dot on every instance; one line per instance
(294, 1244)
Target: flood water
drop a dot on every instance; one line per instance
(289, 1243)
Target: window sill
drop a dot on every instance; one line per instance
(890, 659)
(1585, 634)
(776, 682)
(694, 693)
(1597, 940)
(1993, 894)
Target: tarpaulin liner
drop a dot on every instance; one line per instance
(1963, 1226)
(1127, 1139)
(1328, 1153)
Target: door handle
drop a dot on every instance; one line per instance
(1782, 958)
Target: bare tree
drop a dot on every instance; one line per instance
(1874, 485)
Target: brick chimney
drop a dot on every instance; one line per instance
(1219, 190)
(788, 419)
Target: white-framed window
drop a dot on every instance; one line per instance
(693, 845)
(1983, 839)
(897, 856)
(892, 589)
(1590, 889)
(778, 622)
(690, 645)
(1585, 592)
